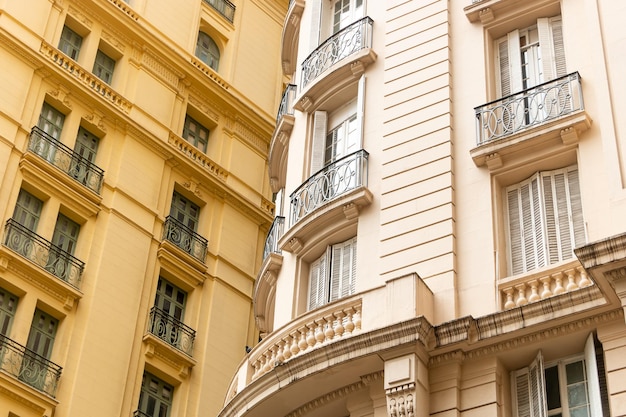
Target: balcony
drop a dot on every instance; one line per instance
(43, 253)
(291, 36)
(329, 183)
(341, 59)
(185, 238)
(29, 367)
(223, 7)
(65, 159)
(171, 331)
(271, 241)
(533, 118)
(280, 139)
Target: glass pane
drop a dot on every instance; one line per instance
(577, 394)
(575, 372)
(579, 412)
(553, 398)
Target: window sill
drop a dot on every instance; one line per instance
(157, 350)
(181, 264)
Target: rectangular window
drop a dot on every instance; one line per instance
(346, 12)
(545, 221)
(196, 134)
(27, 210)
(184, 211)
(567, 387)
(64, 241)
(8, 305)
(167, 316)
(170, 299)
(103, 67)
(40, 342)
(70, 43)
(51, 121)
(84, 154)
(155, 399)
(333, 275)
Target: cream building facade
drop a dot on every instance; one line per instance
(450, 230)
(134, 200)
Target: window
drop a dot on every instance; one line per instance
(184, 211)
(196, 134)
(167, 317)
(103, 67)
(182, 225)
(333, 275)
(530, 56)
(64, 241)
(70, 43)
(84, 156)
(51, 121)
(346, 12)
(8, 305)
(545, 221)
(27, 210)
(568, 387)
(155, 399)
(40, 341)
(207, 50)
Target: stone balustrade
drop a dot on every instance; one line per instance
(314, 329)
(535, 287)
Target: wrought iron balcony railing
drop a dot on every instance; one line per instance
(43, 253)
(171, 330)
(342, 44)
(29, 367)
(335, 179)
(275, 233)
(185, 238)
(531, 107)
(223, 7)
(286, 102)
(65, 159)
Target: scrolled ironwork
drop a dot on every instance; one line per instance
(342, 44)
(29, 367)
(65, 159)
(185, 238)
(43, 253)
(275, 233)
(531, 107)
(335, 179)
(171, 330)
(223, 7)
(286, 102)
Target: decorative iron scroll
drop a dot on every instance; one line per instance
(171, 330)
(185, 238)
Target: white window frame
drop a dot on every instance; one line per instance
(333, 275)
(549, 53)
(528, 386)
(544, 219)
(322, 18)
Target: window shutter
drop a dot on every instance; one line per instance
(537, 388)
(515, 231)
(318, 282)
(319, 140)
(547, 49)
(515, 61)
(537, 241)
(343, 270)
(521, 393)
(336, 275)
(551, 203)
(593, 381)
(316, 15)
(360, 110)
(556, 24)
(576, 207)
(503, 67)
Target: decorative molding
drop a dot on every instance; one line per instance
(193, 186)
(486, 15)
(335, 395)
(202, 103)
(20, 399)
(80, 16)
(113, 41)
(400, 401)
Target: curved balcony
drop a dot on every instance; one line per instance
(43, 253)
(548, 114)
(27, 366)
(280, 139)
(291, 36)
(65, 159)
(332, 196)
(335, 64)
(264, 297)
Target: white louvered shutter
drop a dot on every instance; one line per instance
(521, 393)
(509, 64)
(537, 383)
(360, 110)
(318, 282)
(316, 20)
(556, 26)
(343, 274)
(593, 381)
(576, 207)
(320, 120)
(547, 48)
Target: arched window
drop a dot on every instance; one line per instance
(207, 50)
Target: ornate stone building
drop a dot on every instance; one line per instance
(134, 200)
(450, 237)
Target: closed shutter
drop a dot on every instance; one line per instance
(316, 16)
(360, 111)
(521, 393)
(503, 67)
(556, 24)
(320, 119)
(547, 49)
(318, 282)
(343, 274)
(576, 207)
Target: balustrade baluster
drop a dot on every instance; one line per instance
(521, 295)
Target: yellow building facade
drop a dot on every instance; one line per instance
(450, 237)
(134, 200)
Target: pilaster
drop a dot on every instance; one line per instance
(406, 387)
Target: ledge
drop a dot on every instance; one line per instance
(181, 264)
(488, 11)
(564, 131)
(156, 348)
